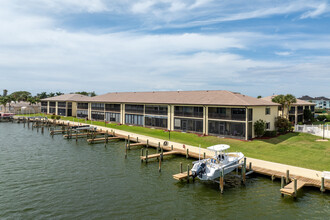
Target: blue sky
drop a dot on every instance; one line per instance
(252, 47)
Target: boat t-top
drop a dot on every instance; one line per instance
(211, 168)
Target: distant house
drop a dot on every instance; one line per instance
(296, 112)
(321, 102)
(21, 108)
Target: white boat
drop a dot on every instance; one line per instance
(211, 168)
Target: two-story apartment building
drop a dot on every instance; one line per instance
(219, 113)
(296, 111)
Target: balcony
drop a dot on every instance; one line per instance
(236, 117)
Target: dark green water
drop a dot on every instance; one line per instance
(45, 178)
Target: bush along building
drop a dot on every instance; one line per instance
(219, 113)
(295, 113)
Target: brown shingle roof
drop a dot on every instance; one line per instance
(69, 97)
(299, 101)
(216, 97)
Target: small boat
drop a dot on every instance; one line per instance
(211, 168)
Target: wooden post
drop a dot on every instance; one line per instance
(282, 184)
(180, 167)
(295, 187)
(161, 154)
(222, 180)
(137, 139)
(250, 166)
(142, 152)
(42, 129)
(158, 148)
(147, 143)
(146, 155)
(172, 147)
(287, 177)
(106, 137)
(322, 184)
(125, 149)
(204, 156)
(187, 154)
(273, 177)
(188, 173)
(244, 170)
(129, 142)
(76, 135)
(160, 166)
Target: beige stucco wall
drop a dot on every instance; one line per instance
(259, 112)
(74, 109)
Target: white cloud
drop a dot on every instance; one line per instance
(320, 9)
(283, 53)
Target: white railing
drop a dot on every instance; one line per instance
(317, 130)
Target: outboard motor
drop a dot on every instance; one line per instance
(200, 170)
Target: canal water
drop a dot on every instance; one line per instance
(45, 178)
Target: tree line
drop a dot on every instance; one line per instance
(25, 96)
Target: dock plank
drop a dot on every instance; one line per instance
(158, 155)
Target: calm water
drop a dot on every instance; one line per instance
(45, 178)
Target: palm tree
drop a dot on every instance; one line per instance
(3, 101)
(285, 101)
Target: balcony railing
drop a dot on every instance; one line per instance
(189, 114)
(227, 117)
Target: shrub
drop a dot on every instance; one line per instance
(58, 117)
(308, 115)
(318, 110)
(321, 117)
(259, 127)
(270, 134)
(328, 117)
(283, 125)
(52, 116)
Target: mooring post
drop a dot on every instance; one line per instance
(287, 176)
(158, 148)
(128, 142)
(204, 156)
(106, 137)
(282, 184)
(222, 176)
(137, 139)
(188, 173)
(147, 143)
(161, 153)
(125, 149)
(295, 187)
(146, 155)
(250, 166)
(172, 147)
(142, 152)
(322, 184)
(187, 154)
(244, 170)
(180, 167)
(76, 135)
(160, 166)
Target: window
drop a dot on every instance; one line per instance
(250, 114)
(267, 125)
(43, 109)
(227, 129)
(184, 124)
(134, 119)
(61, 104)
(156, 121)
(53, 104)
(61, 111)
(109, 116)
(98, 106)
(187, 111)
(112, 107)
(52, 110)
(156, 109)
(82, 114)
(82, 105)
(44, 103)
(99, 116)
(267, 111)
(134, 108)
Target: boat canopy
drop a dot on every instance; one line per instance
(219, 147)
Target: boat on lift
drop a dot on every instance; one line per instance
(211, 168)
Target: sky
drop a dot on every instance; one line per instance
(252, 47)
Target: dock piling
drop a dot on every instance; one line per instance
(147, 155)
(204, 156)
(160, 166)
(172, 147)
(322, 184)
(125, 149)
(188, 173)
(129, 143)
(147, 143)
(187, 154)
(295, 187)
(282, 184)
(221, 182)
(244, 171)
(287, 179)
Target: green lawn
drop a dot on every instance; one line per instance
(298, 149)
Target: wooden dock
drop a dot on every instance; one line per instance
(182, 176)
(159, 155)
(93, 140)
